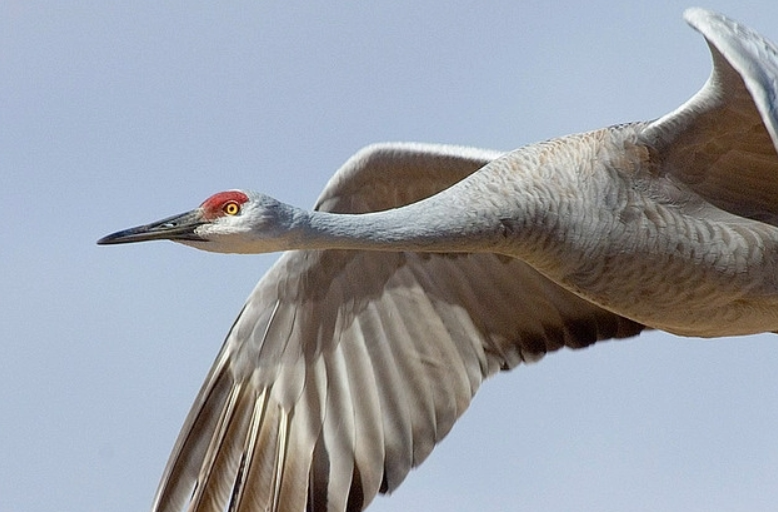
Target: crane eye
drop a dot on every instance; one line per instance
(231, 208)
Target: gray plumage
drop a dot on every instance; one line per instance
(425, 269)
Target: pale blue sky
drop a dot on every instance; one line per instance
(117, 113)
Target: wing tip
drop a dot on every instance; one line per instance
(696, 15)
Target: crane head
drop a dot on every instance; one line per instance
(230, 221)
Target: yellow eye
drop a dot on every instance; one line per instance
(231, 208)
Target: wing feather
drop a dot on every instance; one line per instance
(187, 458)
(369, 430)
(222, 459)
(339, 429)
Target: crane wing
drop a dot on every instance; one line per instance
(345, 368)
(722, 142)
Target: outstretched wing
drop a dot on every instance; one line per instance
(345, 368)
(722, 142)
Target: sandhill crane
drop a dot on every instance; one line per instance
(424, 269)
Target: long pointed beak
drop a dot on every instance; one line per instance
(177, 227)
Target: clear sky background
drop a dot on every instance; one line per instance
(113, 114)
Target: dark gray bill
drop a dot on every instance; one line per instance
(177, 227)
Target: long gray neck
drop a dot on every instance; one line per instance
(468, 217)
(428, 226)
(539, 203)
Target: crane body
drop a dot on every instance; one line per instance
(424, 269)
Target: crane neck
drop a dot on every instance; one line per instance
(436, 226)
(490, 211)
(499, 209)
